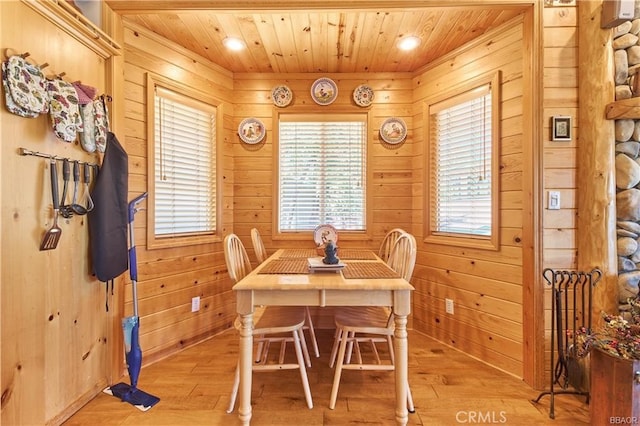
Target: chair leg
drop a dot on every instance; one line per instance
(312, 333)
(303, 369)
(410, 406)
(305, 350)
(234, 389)
(337, 337)
(338, 372)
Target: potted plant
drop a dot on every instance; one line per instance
(615, 366)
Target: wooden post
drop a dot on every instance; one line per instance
(596, 169)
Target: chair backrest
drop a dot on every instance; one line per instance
(236, 257)
(258, 245)
(388, 242)
(402, 258)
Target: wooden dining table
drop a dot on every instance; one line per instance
(284, 280)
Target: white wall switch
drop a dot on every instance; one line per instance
(554, 200)
(195, 304)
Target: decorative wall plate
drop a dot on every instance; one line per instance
(393, 130)
(363, 95)
(324, 233)
(281, 95)
(251, 130)
(324, 91)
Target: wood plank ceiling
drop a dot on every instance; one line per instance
(299, 40)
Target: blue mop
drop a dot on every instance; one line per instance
(130, 326)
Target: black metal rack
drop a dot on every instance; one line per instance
(571, 313)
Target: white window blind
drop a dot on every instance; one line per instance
(322, 163)
(461, 163)
(185, 158)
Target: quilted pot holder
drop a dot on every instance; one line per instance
(101, 122)
(26, 84)
(88, 136)
(9, 103)
(63, 109)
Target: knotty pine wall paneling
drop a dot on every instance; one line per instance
(169, 277)
(560, 92)
(55, 330)
(486, 286)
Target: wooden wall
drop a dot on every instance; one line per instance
(55, 331)
(560, 84)
(485, 286)
(169, 277)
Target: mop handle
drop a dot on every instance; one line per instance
(133, 261)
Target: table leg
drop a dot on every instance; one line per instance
(401, 371)
(246, 367)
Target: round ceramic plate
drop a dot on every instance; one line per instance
(281, 95)
(324, 91)
(363, 95)
(324, 233)
(393, 130)
(251, 130)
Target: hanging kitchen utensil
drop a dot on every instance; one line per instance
(78, 209)
(65, 209)
(87, 194)
(52, 236)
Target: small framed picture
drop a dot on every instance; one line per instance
(561, 128)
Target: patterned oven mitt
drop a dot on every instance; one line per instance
(25, 89)
(101, 122)
(63, 109)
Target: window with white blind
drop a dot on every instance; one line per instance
(322, 171)
(183, 167)
(463, 190)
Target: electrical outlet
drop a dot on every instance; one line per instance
(195, 304)
(448, 306)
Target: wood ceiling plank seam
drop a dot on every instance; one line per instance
(425, 32)
(283, 28)
(319, 41)
(386, 42)
(302, 33)
(183, 36)
(230, 27)
(354, 34)
(255, 47)
(333, 30)
(270, 42)
(347, 41)
(457, 30)
(397, 59)
(370, 33)
(199, 25)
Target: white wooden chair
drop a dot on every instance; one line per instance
(261, 255)
(374, 325)
(276, 324)
(388, 242)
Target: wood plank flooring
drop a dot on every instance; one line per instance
(448, 387)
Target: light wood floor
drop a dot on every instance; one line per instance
(449, 388)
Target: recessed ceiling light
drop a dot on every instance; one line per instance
(233, 43)
(409, 42)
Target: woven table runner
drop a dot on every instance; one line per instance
(368, 270)
(298, 253)
(356, 254)
(285, 266)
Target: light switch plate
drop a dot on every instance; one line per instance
(554, 200)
